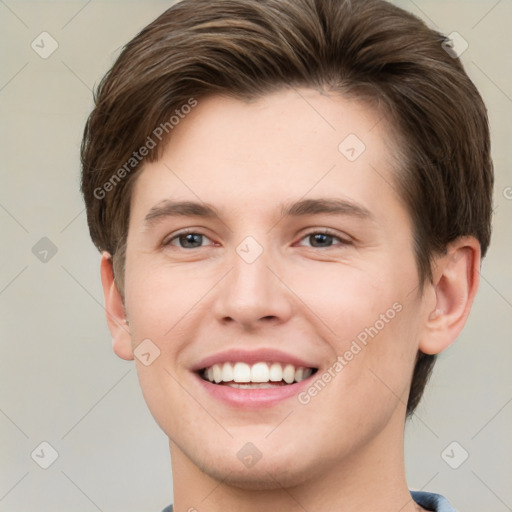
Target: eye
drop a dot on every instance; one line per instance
(186, 240)
(194, 240)
(323, 239)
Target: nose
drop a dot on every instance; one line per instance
(254, 293)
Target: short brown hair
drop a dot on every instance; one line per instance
(367, 49)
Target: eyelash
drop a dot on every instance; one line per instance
(324, 231)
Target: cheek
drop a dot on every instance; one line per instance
(347, 299)
(372, 321)
(160, 302)
(158, 298)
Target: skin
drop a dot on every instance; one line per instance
(343, 450)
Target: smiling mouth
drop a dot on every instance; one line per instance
(260, 375)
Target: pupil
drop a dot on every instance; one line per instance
(321, 237)
(191, 238)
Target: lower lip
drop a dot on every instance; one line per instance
(252, 398)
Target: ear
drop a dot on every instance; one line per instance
(455, 281)
(116, 313)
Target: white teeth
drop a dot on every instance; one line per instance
(241, 372)
(276, 372)
(217, 373)
(227, 372)
(259, 385)
(289, 373)
(259, 373)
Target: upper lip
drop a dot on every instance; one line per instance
(252, 357)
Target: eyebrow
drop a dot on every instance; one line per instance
(323, 205)
(168, 208)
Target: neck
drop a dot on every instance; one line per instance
(372, 478)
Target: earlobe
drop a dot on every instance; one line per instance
(455, 283)
(115, 310)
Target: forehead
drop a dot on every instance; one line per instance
(287, 145)
(290, 123)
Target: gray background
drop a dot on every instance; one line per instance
(60, 381)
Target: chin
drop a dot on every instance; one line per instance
(264, 475)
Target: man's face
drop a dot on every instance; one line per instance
(335, 293)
